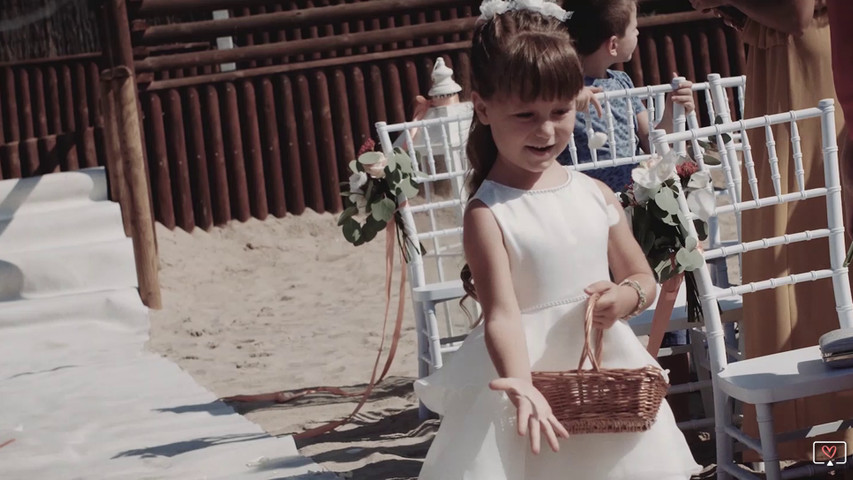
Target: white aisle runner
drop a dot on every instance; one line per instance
(80, 396)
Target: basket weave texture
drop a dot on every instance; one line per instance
(600, 400)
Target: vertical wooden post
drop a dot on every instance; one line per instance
(114, 161)
(120, 48)
(142, 223)
(126, 166)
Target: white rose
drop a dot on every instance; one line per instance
(700, 179)
(356, 181)
(702, 202)
(643, 194)
(377, 169)
(653, 172)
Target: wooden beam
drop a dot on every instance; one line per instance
(311, 45)
(211, 29)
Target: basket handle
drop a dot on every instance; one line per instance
(587, 352)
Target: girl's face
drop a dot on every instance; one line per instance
(529, 135)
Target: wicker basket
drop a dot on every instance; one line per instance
(602, 400)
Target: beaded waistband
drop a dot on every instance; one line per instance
(565, 301)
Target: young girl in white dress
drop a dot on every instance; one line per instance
(539, 240)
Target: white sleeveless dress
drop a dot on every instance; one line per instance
(557, 244)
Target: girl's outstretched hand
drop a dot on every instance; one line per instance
(534, 413)
(614, 303)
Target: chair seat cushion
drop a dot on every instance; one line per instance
(438, 292)
(783, 376)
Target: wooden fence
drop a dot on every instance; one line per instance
(50, 116)
(274, 136)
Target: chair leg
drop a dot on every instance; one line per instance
(767, 437)
(423, 343)
(697, 354)
(722, 420)
(434, 337)
(423, 352)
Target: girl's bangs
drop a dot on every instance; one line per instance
(550, 72)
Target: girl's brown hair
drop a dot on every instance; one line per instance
(594, 21)
(518, 54)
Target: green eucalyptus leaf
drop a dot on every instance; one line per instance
(665, 199)
(369, 191)
(726, 138)
(352, 231)
(391, 164)
(371, 228)
(711, 159)
(663, 270)
(383, 209)
(681, 219)
(403, 162)
(347, 214)
(354, 167)
(407, 190)
(689, 260)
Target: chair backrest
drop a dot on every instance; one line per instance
(716, 104)
(833, 232)
(436, 147)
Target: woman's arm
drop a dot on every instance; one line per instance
(789, 16)
(489, 263)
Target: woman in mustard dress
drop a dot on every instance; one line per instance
(788, 68)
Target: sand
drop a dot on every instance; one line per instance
(285, 304)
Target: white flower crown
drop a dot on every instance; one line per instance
(491, 8)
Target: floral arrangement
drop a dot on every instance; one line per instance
(651, 202)
(376, 187)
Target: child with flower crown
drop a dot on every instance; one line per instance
(539, 239)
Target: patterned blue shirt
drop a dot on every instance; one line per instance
(619, 177)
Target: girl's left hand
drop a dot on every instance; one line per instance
(614, 303)
(684, 96)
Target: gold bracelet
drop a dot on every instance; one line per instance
(641, 300)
